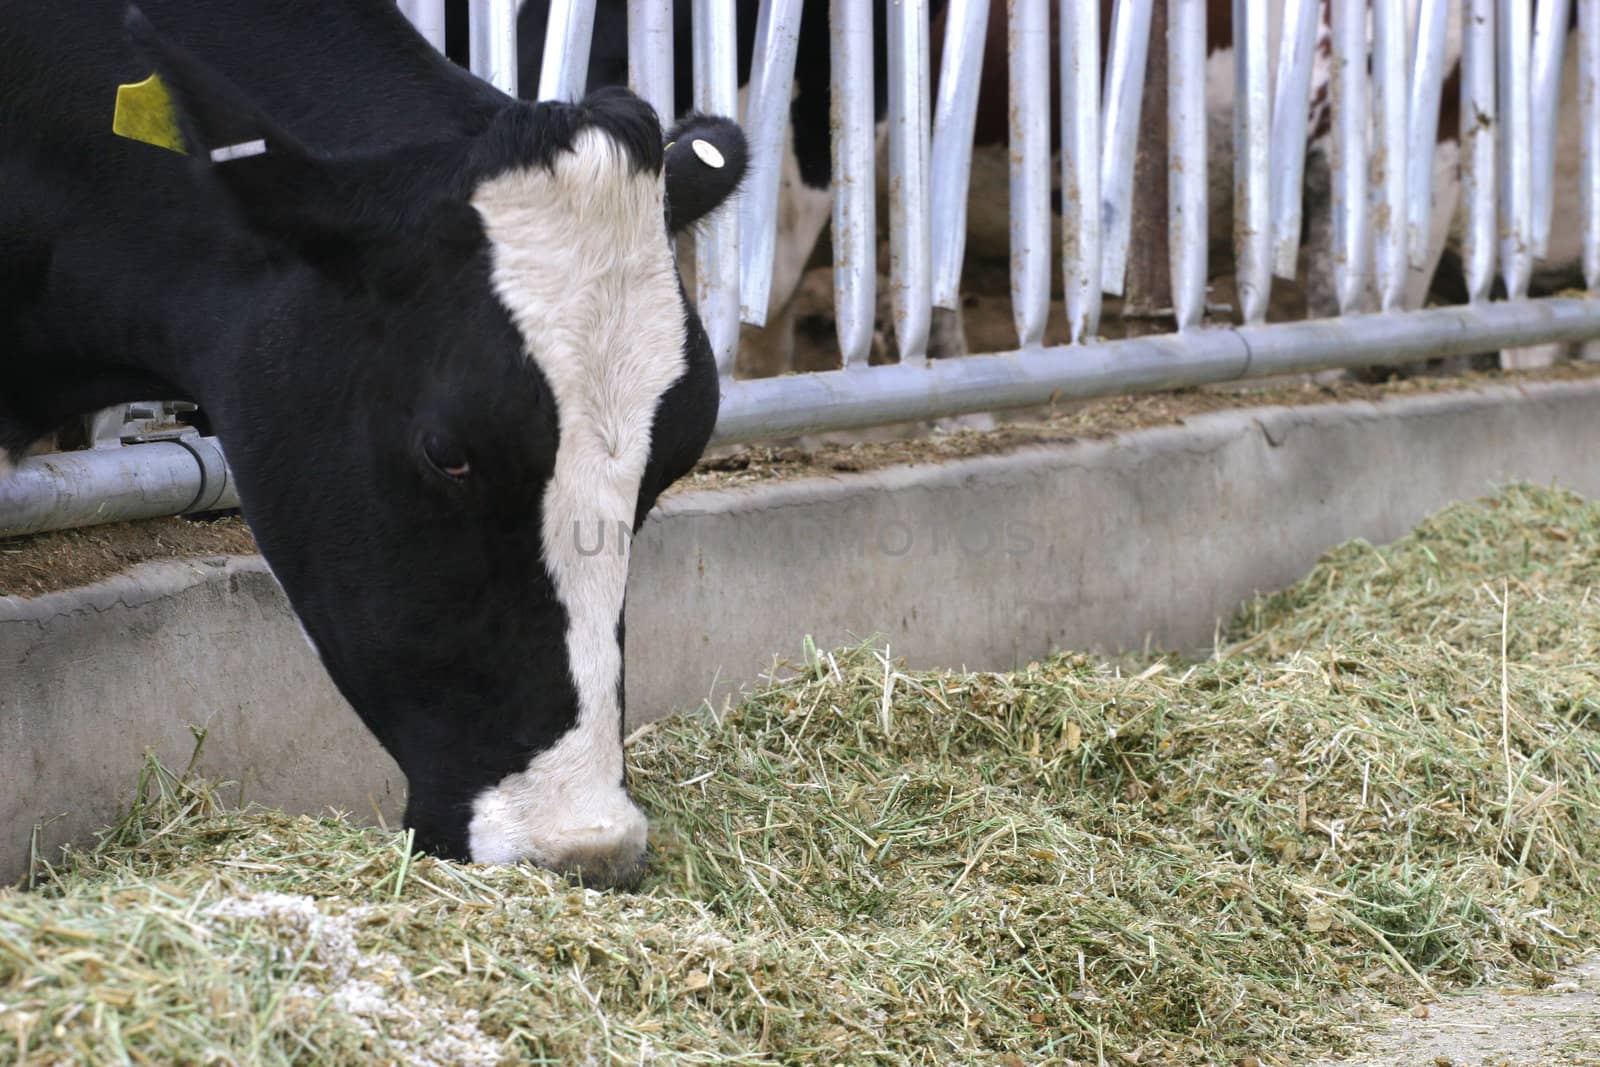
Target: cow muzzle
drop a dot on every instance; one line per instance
(593, 833)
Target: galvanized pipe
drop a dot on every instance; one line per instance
(1389, 83)
(143, 481)
(1478, 137)
(1186, 157)
(1252, 195)
(1351, 227)
(1589, 105)
(836, 400)
(1291, 105)
(650, 64)
(493, 40)
(855, 225)
(1427, 85)
(428, 17)
(767, 102)
(716, 245)
(189, 475)
(1549, 50)
(1516, 146)
(564, 68)
(910, 237)
(1028, 29)
(955, 115)
(1124, 93)
(1080, 167)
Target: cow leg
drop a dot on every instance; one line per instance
(947, 334)
(767, 351)
(1316, 249)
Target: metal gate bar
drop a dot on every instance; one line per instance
(1427, 90)
(766, 121)
(1186, 143)
(1390, 90)
(716, 246)
(494, 41)
(1549, 50)
(1291, 103)
(955, 115)
(1589, 102)
(564, 69)
(1124, 95)
(1252, 125)
(1478, 139)
(650, 64)
(1028, 45)
(855, 223)
(1516, 146)
(910, 238)
(1080, 170)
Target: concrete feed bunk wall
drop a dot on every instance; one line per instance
(1150, 537)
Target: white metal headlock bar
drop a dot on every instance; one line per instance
(910, 282)
(1252, 127)
(1080, 169)
(716, 244)
(1186, 158)
(650, 63)
(564, 67)
(1391, 92)
(955, 116)
(1124, 94)
(855, 225)
(1549, 50)
(1028, 32)
(1291, 104)
(767, 102)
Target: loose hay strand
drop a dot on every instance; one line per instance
(1377, 788)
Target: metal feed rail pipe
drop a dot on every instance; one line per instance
(843, 400)
(176, 476)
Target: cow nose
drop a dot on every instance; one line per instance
(595, 833)
(608, 855)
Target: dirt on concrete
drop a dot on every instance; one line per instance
(1083, 420)
(1553, 1023)
(43, 563)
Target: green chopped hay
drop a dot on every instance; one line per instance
(1361, 797)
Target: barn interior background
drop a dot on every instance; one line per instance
(1348, 149)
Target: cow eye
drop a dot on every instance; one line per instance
(447, 457)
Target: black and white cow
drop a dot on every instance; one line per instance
(440, 333)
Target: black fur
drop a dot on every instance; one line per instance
(328, 304)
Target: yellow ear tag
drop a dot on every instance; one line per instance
(145, 113)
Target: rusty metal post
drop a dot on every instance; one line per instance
(1147, 305)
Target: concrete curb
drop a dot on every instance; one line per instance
(1148, 538)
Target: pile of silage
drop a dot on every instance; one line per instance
(1386, 785)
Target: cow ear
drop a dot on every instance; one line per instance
(706, 161)
(280, 189)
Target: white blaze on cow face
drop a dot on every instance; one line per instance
(581, 262)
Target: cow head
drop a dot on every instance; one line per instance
(466, 371)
